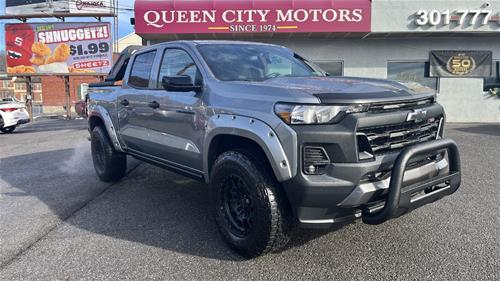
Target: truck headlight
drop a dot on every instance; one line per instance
(315, 114)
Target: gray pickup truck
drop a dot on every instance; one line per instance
(279, 142)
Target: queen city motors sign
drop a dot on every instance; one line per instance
(252, 16)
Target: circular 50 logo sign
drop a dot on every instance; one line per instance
(461, 64)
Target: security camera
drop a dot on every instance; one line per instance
(486, 5)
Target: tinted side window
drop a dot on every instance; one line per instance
(141, 70)
(177, 62)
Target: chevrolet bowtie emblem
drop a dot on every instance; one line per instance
(417, 115)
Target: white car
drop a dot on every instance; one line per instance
(12, 114)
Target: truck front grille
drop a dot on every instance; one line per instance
(389, 138)
(386, 107)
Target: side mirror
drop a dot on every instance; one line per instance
(180, 83)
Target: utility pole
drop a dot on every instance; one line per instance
(68, 96)
(29, 97)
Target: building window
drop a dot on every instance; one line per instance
(20, 86)
(141, 70)
(334, 68)
(412, 72)
(494, 80)
(36, 86)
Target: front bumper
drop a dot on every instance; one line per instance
(365, 192)
(319, 205)
(401, 199)
(348, 185)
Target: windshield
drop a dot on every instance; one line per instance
(245, 62)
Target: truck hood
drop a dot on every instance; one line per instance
(352, 89)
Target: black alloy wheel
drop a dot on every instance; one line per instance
(236, 205)
(251, 211)
(109, 164)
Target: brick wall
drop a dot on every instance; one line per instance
(54, 94)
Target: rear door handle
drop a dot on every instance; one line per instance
(124, 102)
(154, 104)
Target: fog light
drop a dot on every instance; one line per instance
(311, 169)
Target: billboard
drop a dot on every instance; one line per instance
(60, 47)
(24, 7)
(251, 16)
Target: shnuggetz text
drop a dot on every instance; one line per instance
(73, 34)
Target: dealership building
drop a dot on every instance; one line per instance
(450, 46)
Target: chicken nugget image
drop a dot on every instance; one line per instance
(50, 59)
(19, 69)
(61, 52)
(40, 49)
(37, 60)
(29, 69)
(16, 69)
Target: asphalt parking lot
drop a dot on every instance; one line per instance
(59, 222)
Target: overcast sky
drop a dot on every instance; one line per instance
(124, 16)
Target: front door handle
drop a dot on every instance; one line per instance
(154, 104)
(124, 102)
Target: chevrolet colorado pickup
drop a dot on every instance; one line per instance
(279, 142)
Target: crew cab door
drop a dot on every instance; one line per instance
(133, 102)
(177, 125)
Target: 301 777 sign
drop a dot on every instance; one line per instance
(463, 17)
(73, 48)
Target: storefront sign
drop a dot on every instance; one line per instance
(58, 48)
(461, 63)
(24, 7)
(458, 17)
(469, 16)
(222, 16)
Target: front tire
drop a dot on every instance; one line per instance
(251, 213)
(8, 130)
(109, 164)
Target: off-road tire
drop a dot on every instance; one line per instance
(109, 164)
(8, 130)
(270, 222)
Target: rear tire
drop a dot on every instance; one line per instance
(251, 213)
(8, 130)
(109, 164)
